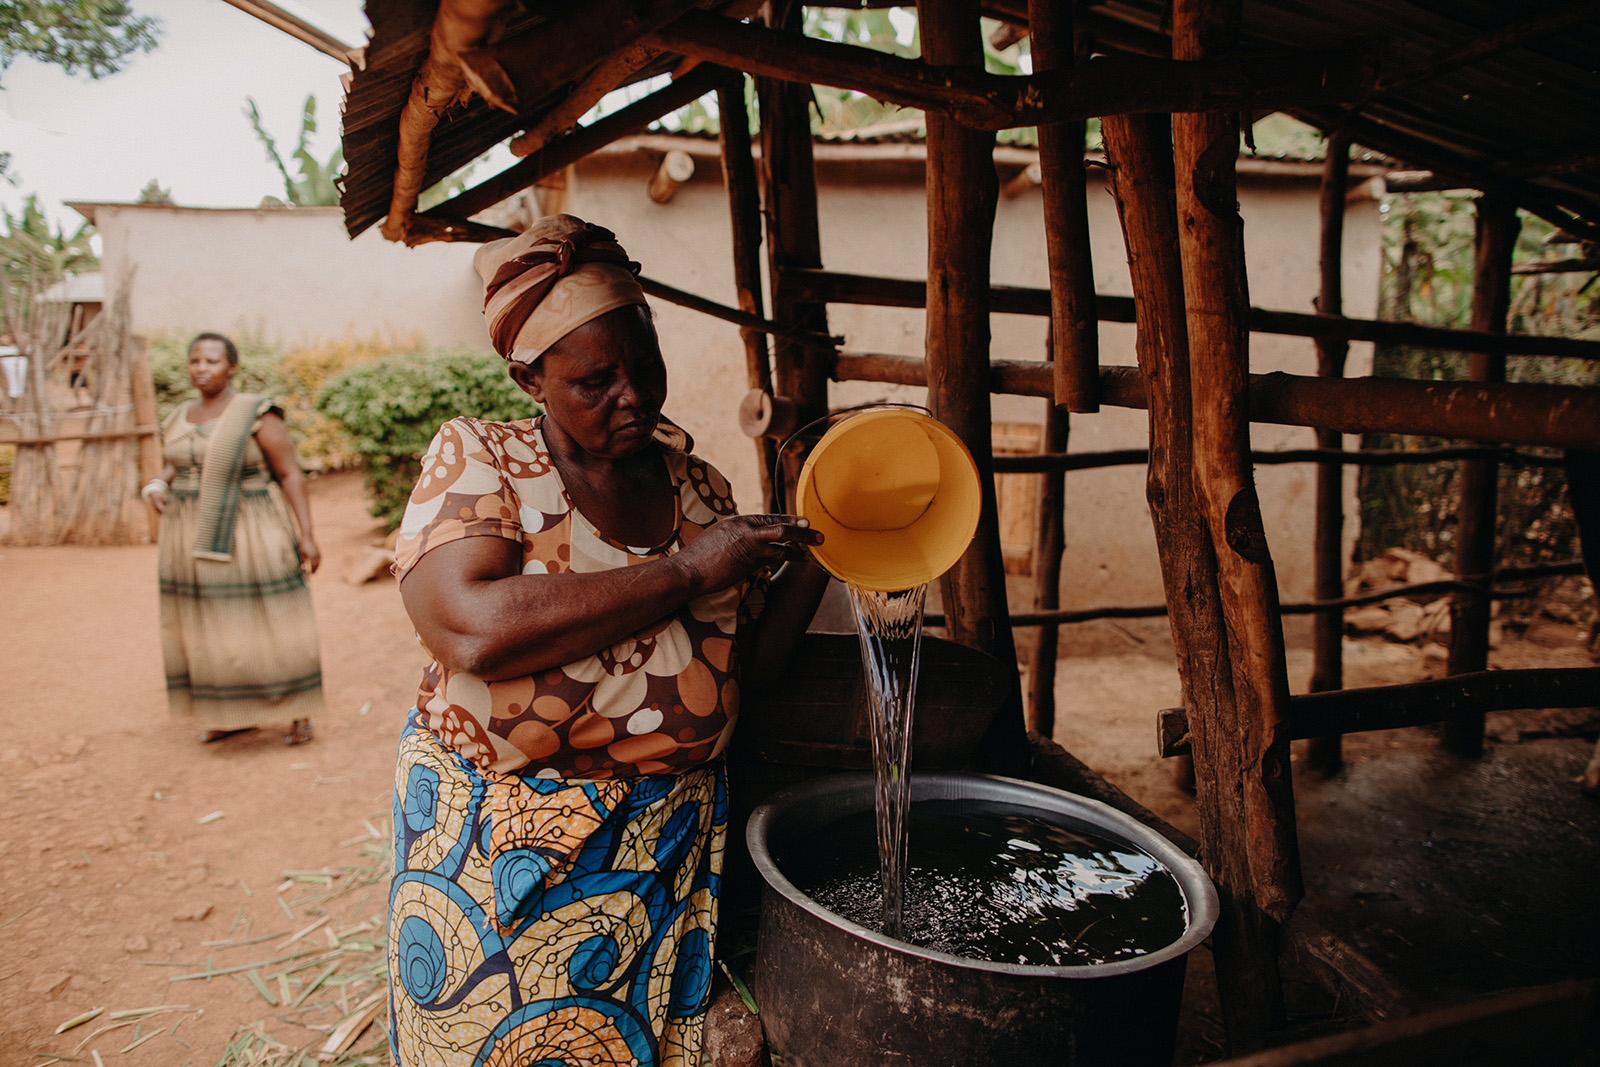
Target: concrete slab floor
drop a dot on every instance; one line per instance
(1459, 877)
(1456, 877)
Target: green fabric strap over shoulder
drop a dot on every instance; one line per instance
(218, 506)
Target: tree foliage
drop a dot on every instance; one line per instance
(156, 193)
(312, 183)
(1428, 264)
(93, 37)
(34, 254)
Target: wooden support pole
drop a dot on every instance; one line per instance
(1217, 304)
(1140, 152)
(1049, 541)
(1477, 501)
(1073, 326)
(835, 287)
(1325, 755)
(1394, 707)
(744, 212)
(789, 198)
(963, 192)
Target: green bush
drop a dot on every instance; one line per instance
(293, 377)
(8, 459)
(389, 409)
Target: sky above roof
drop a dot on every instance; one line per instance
(175, 114)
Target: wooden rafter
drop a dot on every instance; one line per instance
(1103, 86)
(1462, 172)
(1522, 28)
(612, 73)
(579, 143)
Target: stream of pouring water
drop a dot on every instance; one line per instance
(890, 628)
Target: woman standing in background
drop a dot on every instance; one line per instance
(238, 634)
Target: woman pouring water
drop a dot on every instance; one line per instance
(593, 606)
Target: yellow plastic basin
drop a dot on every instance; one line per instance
(896, 496)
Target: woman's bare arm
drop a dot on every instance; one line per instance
(278, 447)
(476, 613)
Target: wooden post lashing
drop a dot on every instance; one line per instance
(789, 197)
(1140, 152)
(1477, 502)
(1049, 541)
(744, 211)
(1217, 305)
(1325, 754)
(1073, 323)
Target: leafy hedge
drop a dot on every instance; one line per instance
(389, 409)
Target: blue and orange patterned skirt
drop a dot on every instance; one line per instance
(550, 922)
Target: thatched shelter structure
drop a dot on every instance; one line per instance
(1477, 95)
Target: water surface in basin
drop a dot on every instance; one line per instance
(996, 882)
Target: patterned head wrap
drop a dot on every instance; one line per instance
(544, 283)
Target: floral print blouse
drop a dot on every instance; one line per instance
(661, 701)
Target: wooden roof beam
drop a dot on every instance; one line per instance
(1515, 32)
(612, 73)
(579, 143)
(517, 74)
(458, 26)
(1103, 86)
(1463, 172)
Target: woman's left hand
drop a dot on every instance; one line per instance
(310, 556)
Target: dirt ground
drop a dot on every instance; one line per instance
(140, 858)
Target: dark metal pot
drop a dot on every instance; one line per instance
(832, 992)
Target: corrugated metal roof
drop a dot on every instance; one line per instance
(1528, 115)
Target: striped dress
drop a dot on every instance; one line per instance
(238, 636)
